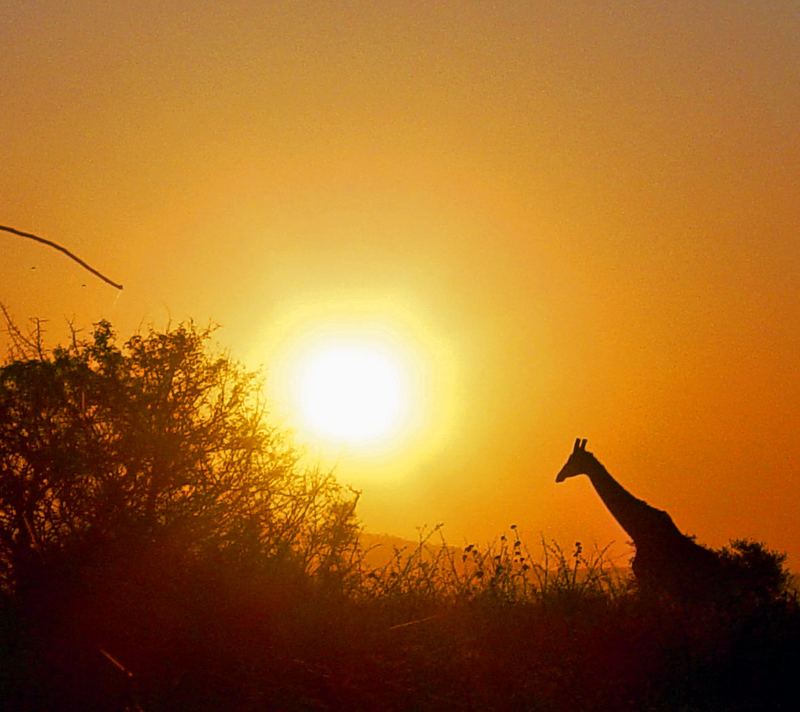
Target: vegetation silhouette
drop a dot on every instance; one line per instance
(128, 472)
(162, 548)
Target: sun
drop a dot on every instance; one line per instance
(352, 392)
(363, 383)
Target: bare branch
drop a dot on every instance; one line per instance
(60, 248)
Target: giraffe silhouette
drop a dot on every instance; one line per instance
(666, 560)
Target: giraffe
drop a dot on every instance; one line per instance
(666, 559)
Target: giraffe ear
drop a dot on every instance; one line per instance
(583, 444)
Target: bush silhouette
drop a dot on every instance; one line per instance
(138, 479)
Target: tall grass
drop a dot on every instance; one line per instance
(503, 626)
(504, 571)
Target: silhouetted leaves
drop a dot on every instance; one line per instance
(137, 480)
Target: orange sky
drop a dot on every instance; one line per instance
(591, 208)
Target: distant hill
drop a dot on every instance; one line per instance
(381, 548)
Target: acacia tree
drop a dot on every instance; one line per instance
(158, 442)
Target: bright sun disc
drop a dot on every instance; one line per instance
(352, 393)
(363, 384)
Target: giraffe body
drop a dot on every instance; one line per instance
(666, 559)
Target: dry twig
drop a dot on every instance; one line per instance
(58, 247)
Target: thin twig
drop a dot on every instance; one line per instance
(115, 662)
(58, 247)
(415, 622)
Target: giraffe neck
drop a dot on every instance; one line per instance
(640, 521)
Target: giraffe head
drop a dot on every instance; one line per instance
(579, 462)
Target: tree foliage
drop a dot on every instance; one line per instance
(755, 572)
(155, 444)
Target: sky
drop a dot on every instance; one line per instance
(582, 218)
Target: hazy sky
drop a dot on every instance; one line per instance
(589, 211)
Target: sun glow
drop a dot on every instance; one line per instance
(352, 392)
(364, 384)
